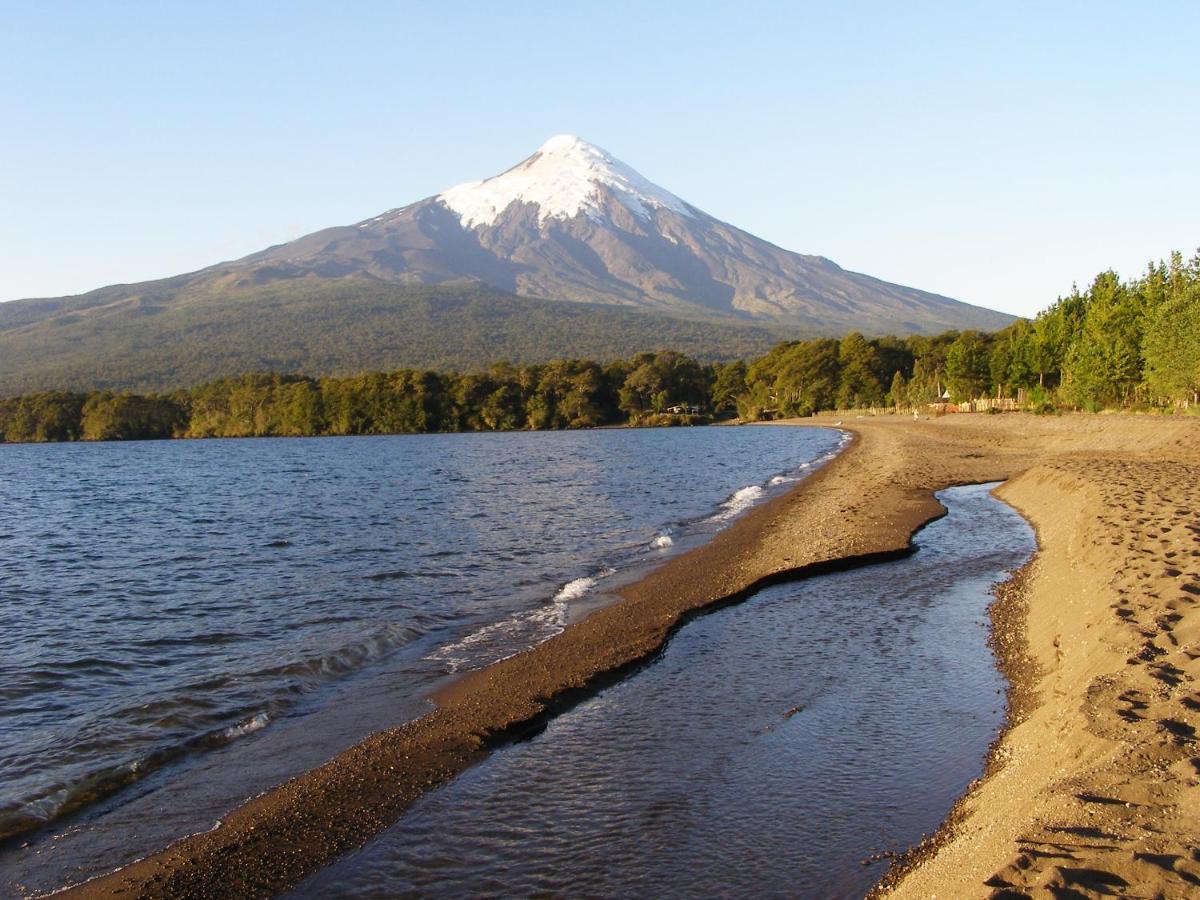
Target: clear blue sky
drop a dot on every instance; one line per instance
(994, 153)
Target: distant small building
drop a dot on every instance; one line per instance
(682, 410)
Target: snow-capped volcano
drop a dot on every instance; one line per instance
(571, 222)
(417, 285)
(565, 177)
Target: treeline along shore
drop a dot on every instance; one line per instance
(1119, 344)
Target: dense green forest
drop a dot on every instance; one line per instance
(1118, 344)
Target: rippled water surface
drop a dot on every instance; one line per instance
(773, 748)
(182, 624)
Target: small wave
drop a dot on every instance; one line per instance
(741, 500)
(662, 542)
(347, 658)
(17, 818)
(250, 725)
(389, 576)
(500, 640)
(573, 590)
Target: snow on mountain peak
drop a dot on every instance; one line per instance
(563, 178)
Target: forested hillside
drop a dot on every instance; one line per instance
(1118, 344)
(172, 337)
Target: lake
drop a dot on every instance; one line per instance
(184, 624)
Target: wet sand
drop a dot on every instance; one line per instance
(1094, 790)
(1100, 490)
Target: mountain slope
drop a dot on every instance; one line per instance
(570, 223)
(342, 327)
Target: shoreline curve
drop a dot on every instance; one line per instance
(862, 507)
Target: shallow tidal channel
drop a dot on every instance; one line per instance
(774, 748)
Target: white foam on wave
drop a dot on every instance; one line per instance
(555, 615)
(573, 590)
(744, 497)
(250, 725)
(519, 632)
(662, 542)
(742, 500)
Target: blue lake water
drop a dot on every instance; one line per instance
(184, 624)
(773, 749)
